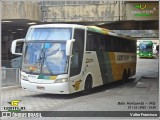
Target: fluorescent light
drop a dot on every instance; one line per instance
(19, 29)
(9, 30)
(13, 32)
(32, 23)
(101, 23)
(6, 21)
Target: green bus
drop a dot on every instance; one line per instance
(146, 49)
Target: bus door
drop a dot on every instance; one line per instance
(76, 68)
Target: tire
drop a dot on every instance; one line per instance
(124, 76)
(88, 86)
(129, 74)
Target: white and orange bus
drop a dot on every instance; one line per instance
(68, 58)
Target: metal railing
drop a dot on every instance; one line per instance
(10, 76)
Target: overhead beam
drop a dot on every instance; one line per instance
(133, 25)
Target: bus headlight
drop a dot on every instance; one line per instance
(149, 54)
(61, 80)
(24, 78)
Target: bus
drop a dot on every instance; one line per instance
(146, 49)
(69, 58)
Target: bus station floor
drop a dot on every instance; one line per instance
(145, 88)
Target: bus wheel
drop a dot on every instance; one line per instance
(124, 77)
(129, 74)
(87, 86)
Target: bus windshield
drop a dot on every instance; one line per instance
(145, 47)
(49, 34)
(44, 51)
(46, 58)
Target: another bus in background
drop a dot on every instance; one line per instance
(146, 49)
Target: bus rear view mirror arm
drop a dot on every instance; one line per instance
(69, 45)
(14, 46)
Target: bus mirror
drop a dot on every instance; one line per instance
(17, 46)
(69, 46)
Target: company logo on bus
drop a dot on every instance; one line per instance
(77, 84)
(125, 57)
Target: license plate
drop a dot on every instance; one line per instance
(40, 87)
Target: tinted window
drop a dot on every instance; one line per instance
(78, 49)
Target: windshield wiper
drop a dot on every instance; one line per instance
(38, 62)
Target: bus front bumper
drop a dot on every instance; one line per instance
(150, 55)
(55, 88)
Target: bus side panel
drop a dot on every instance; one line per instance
(105, 66)
(121, 62)
(117, 69)
(90, 67)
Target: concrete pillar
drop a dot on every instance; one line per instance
(21, 10)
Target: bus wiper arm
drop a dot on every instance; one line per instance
(39, 60)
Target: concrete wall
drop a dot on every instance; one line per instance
(78, 11)
(21, 10)
(101, 11)
(83, 12)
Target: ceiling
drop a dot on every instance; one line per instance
(19, 27)
(13, 26)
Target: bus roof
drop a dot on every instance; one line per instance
(147, 42)
(90, 28)
(108, 32)
(98, 29)
(58, 25)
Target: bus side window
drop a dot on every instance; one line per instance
(102, 44)
(90, 41)
(78, 49)
(96, 42)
